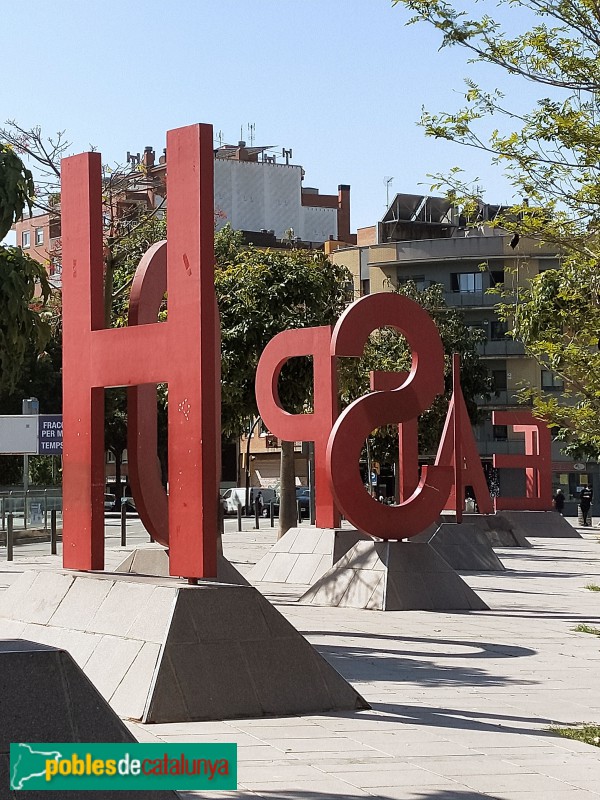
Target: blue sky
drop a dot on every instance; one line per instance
(341, 82)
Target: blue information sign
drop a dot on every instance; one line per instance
(50, 435)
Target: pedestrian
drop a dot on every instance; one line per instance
(559, 500)
(259, 503)
(585, 501)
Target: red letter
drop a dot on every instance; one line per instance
(425, 380)
(181, 351)
(536, 462)
(313, 427)
(458, 449)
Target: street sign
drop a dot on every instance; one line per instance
(50, 434)
(373, 478)
(18, 434)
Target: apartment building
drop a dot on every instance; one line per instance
(423, 239)
(258, 191)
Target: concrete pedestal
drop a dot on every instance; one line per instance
(548, 524)
(464, 547)
(303, 555)
(154, 561)
(497, 529)
(45, 697)
(393, 576)
(160, 650)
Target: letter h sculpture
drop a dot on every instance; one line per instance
(183, 352)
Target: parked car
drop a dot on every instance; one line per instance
(110, 501)
(235, 498)
(302, 500)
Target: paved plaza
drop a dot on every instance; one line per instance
(461, 702)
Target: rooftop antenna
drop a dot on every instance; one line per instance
(251, 132)
(387, 181)
(220, 138)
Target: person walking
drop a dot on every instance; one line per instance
(585, 501)
(559, 501)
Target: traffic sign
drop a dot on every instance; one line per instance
(50, 434)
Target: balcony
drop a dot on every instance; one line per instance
(471, 299)
(511, 447)
(502, 348)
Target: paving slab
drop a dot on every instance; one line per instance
(487, 684)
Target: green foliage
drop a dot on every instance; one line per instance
(387, 351)
(126, 253)
(557, 317)
(587, 629)
(16, 189)
(590, 734)
(21, 322)
(259, 294)
(593, 587)
(551, 155)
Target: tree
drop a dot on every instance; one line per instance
(259, 294)
(127, 213)
(551, 155)
(20, 276)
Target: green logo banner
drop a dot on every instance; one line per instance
(59, 766)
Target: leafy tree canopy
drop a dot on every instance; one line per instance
(551, 154)
(261, 293)
(20, 321)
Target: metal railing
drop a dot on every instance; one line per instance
(31, 508)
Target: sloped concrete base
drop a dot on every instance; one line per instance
(303, 555)
(160, 650)
(548, 524)
(463, 546)
(45, 697)
(155, 561)
(393, 576)
(498, 530)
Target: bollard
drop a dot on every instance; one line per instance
(53, 532)
(239, 517)
(256, 516)
(9, 538)
(272, 513)
(45, 509)
(3, 515)
(123, 524)
(298, 512)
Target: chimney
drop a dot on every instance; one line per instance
(343, 213)
(148, 157)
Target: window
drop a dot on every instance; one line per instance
(551, 382)
(498, 330)
(25, 239)
(499, 380)
(39, 236)
(466, 281)
(500, 432)
(496, 276)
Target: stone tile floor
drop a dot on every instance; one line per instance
(461, 702)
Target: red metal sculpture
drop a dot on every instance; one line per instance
(536, 462)
(182, 351)
(397, 399)
(458, 449)
(313, 427)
